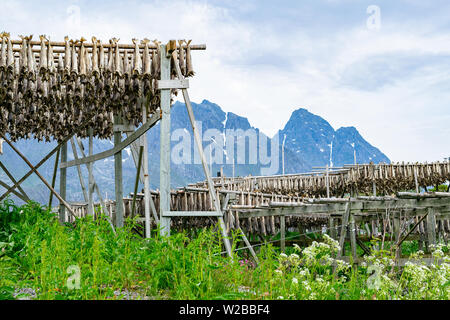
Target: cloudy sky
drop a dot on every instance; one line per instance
(384, 69)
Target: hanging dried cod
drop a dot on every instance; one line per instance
(46, 93)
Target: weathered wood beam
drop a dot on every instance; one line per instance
(11, 177)
(14, 192)
(80, 175)
(55, 171)
(117, 148)
(40, 176)
(136, 184)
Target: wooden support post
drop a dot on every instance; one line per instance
(136, 183)
(397, 231)
(328, 182)
(148, 201)
(55, 171)
(283, 233)
(345, 218)
(91, 174)
(144, 177)
(164, 203)
(97, 190)
(415, 179)
(352, 227)
(331, 227)
(63, 183)
(118, 176)
(80, 175)
(431, 226)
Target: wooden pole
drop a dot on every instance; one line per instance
(415, 179)
(136, 184)
(328, 182)
(345, 219)
(97, 190)
(352, 227)
(148, 201)
(431, 226)
(118, 175)
(63, 183)
(249, 246)
(80, 175)
(55, 171)
(283, 233)
(164, 181)
(331, 227)
(91, 176)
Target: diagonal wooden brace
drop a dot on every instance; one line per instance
(34, 169)
(198, 141)
(10, 176)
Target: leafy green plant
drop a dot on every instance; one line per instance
(87, 260)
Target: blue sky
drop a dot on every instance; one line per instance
(267, 58)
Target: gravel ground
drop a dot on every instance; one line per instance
(130, 295)
(30, 294)
(25, 294)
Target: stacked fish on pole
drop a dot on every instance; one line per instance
(46, 93)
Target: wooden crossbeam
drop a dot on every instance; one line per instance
(192, 214)
(118, 148)
(173, 84)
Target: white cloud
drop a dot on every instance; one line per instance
(264, 73)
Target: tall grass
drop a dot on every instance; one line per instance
(39, 253)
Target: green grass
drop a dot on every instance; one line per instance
(38, 253)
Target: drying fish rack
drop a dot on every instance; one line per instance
(259, 205)
(133, 92)
(361, 178)
(406, 216)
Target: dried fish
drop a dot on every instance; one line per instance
(95, 68)
(137, 66)
(47, 94)
(147, 59)
(4, 37)
(43, 65)
(189, 68)
(10, 58)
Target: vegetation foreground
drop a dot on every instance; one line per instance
(42, 259)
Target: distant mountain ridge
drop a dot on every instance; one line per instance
(309, 141)
(318, 144)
